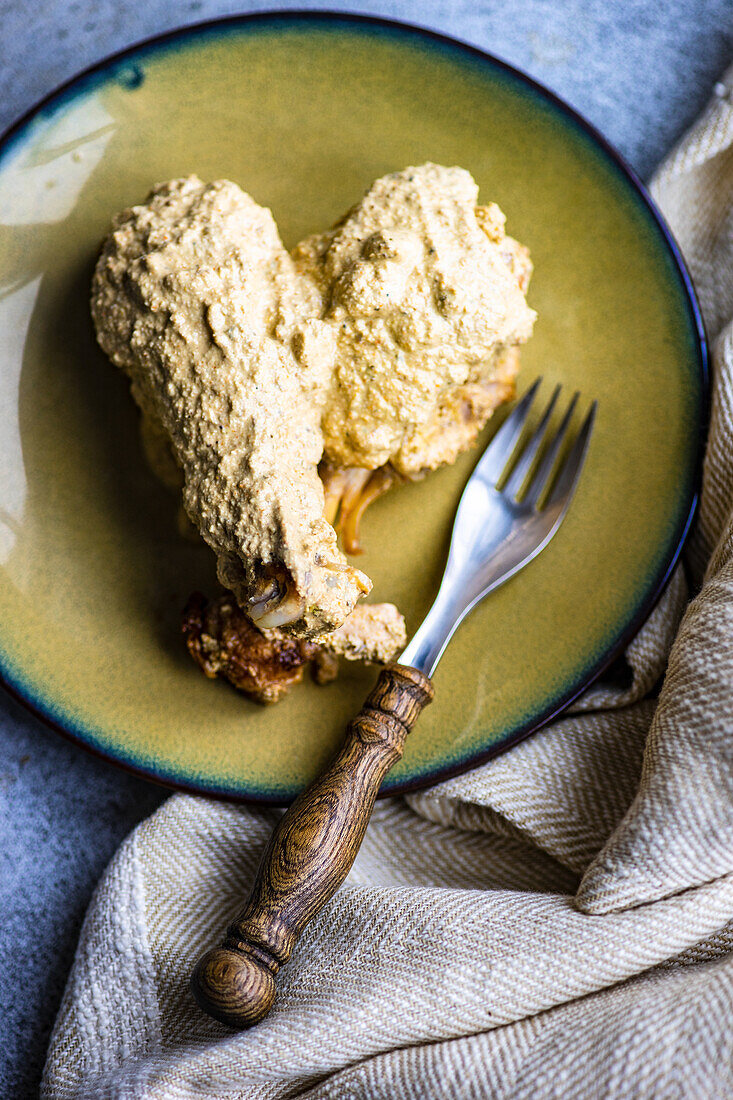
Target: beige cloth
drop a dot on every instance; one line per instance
(558, 923)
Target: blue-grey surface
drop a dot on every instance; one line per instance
(640, 70)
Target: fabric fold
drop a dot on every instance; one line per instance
(679, 830)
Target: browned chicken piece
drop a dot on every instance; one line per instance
(223, 642)
(266, 664)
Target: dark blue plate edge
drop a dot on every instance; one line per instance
(656, 589)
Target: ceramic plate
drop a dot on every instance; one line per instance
(304, 112)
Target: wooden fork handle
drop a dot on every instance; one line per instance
(309, 854)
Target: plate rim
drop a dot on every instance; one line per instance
(15, 687)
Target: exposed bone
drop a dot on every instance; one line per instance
(348, 493)
(377, 485)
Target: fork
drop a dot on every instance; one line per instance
(511, 507)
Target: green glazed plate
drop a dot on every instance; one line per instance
(304, 111)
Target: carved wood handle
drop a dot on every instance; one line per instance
(309, 854)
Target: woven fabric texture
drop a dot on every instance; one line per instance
(557, 923)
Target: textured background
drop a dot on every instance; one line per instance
(640, 71)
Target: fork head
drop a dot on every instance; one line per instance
(511, 507)
(510, 461)
(493, 509)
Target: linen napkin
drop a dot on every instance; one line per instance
(557, 923)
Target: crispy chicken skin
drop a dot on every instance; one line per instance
(265, 664)
(223, 642)
(377, 349)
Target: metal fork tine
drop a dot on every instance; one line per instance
(494, 535)
(494, 459)
(526, 459)
(568, 477)
(543, 471)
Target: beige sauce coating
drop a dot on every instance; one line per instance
(388, 339)
(421, 300)
(372, 632)
(196, 298)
